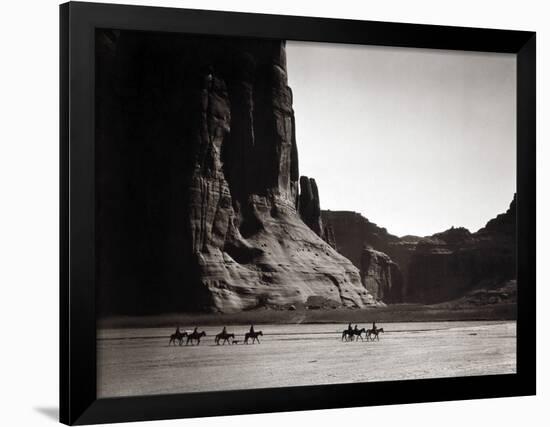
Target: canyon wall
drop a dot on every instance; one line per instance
(380, 256)
(450, 264)
(432, 269)
(199, 206)
(381, 276)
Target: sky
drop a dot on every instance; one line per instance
(416, 140)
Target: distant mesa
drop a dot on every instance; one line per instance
(436, 268)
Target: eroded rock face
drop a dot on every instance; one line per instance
(202, 134)
(310, 210)
(441, 267)
(353, 232)
(451, 264)
(310, 206)
(381, 276)
(378, 254)
(329, 236)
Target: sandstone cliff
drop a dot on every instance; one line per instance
(198, 184)
(310, 205)
(441, 267)
(381, 276)
(450, 264)
(310, 210)
(381, 257)
(352, 232)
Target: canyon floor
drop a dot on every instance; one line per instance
(138, 361)
(450, 311)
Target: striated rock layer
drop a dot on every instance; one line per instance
(198, 184)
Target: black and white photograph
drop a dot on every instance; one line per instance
(274, 213)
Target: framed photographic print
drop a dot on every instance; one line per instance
(274, 213)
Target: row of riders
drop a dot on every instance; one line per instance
(223, 337)
(353, 334)
(349, 334)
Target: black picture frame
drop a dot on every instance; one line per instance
(78, 401)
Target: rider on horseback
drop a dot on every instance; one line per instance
(223, 335)
(374, 326)
(252, 329)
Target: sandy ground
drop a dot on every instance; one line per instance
(139, 362)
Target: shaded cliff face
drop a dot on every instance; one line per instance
(441, 267)
(352, 232)
(373, 250)
(198, 185)
(450, 264)
(381, 276)
(310, 205)
(310, 210)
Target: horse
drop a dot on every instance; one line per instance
(223, 336)
(375, 332)
(177, 336)
(350, 334)
(358, 332)
(195, 336)
(347, 334)
(253, 335)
